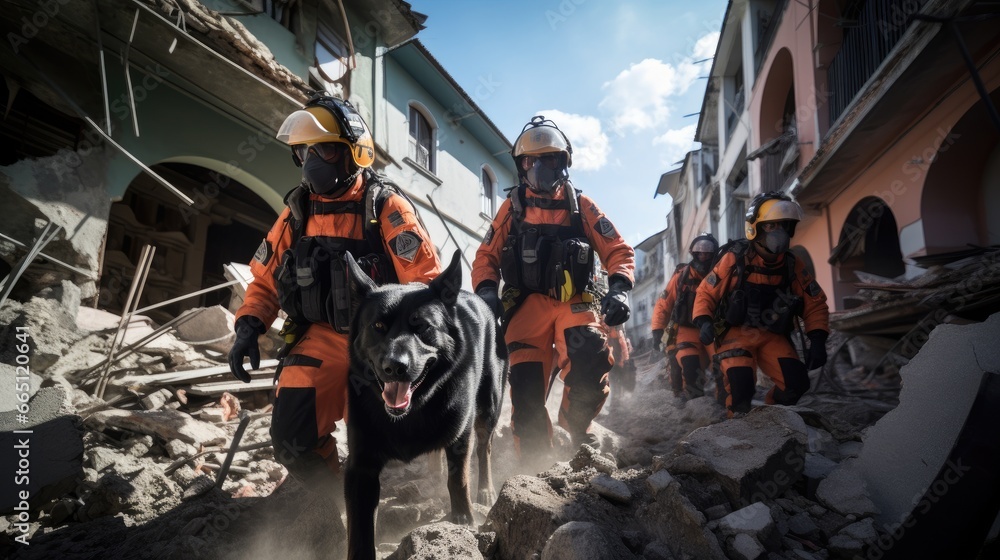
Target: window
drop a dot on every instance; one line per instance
(488, 190)
(285, 13)
(332, 61)
(421, 140)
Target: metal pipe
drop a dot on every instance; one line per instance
(53, 260)
(138, 281)
(128, 75)
(186, 199)
(448, 229)
(104, 71)
(192, 294)
(47, 234)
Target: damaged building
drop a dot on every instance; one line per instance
(132, 123)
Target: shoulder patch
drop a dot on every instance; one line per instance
(813, 289)
(396, 219)
(605, 228)
(264, 253)
(405, 245)
(712, 279)
(489, 236)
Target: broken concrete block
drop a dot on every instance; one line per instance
(744, 547)
(844, 490)
(438, 540)
(165, 424)
(210, 327)
(176, 448)
(909, 446)
(754, 520)
(100, 458)
(754, 458)
(614, 490)
(801, 524)
(863, 530)
(526, 513)
(658, 481)
(16, 381)
(587, 456)
(842, 546)
(673, 519)
(156, 399)
(579, 540)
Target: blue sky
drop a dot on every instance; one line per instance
(616, 77)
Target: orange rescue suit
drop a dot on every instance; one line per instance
(317, 366)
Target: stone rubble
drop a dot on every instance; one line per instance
(670, 480)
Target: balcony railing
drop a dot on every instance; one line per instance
(866, 44)
(778, 162)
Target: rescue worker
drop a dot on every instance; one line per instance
(748, 305)
(673, 310)
(541, 244)
(341, 205)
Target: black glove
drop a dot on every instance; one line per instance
(614, 306)
(487, 290)
(707, 328)
(816, 354)
(658, 339)
(248, 328)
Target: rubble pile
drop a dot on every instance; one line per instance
(670, 480)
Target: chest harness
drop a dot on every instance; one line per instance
(551, 259)
(312, 278)
(772, 307)
(684, 304)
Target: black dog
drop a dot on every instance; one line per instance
(427, 368)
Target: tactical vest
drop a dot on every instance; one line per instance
(312, 278)
(770, 307)
(549, 259)
(684, 304)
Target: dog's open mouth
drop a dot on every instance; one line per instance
(397, 394)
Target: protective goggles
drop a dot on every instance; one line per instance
(555, 160)
(330, 152)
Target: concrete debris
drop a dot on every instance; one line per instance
(670, 480)
(438, 540)
(210, 328)
(941, 383)
(579, 540)
(165, 424)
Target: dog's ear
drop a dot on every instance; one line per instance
(449, 282)
(360, 282)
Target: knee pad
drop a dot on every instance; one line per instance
(742, 384)
(588, 354)
(796, 381)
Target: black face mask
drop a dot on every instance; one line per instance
(328, 179)
(774, 242)
(701, 266)
(546, 174)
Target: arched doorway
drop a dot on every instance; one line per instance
(225, 225)
(869, 242)
(959, 205)
(779, 142)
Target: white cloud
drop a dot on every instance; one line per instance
(676, 143)
(590, 144)
(705, 46)
(639, 97)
